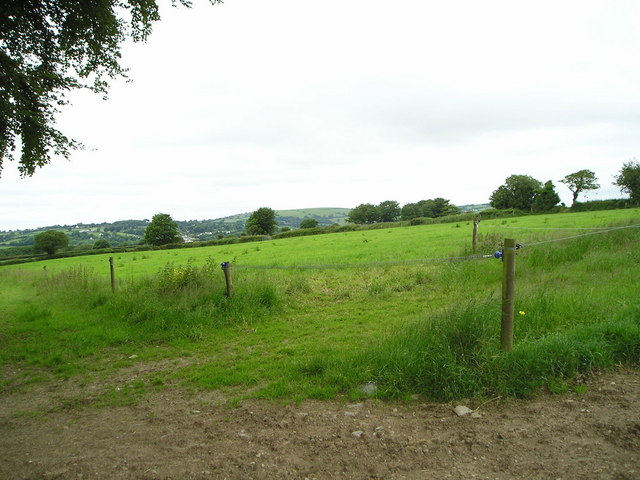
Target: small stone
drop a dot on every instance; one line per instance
(462, 410)
(369, 388)
(476, 415)
(349, 414)
(358, 433)
(243, 434)
(195, 412)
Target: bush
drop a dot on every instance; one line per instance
(302, 232)
(171, 277)
(595, 205)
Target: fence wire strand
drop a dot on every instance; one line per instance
(578, 236)
(550, 228)
(390, 263)
(420, 261)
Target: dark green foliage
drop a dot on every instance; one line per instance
(518, 191)
(262, 222)
(101, 243)
(580, 181)
(432, 208)
(628, 180)
(365, 213)
(308, 223)
(545, 198)
(595, 205)
(162, 230)
(388, 211)
(49, 48)
(50, 241)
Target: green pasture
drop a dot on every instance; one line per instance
(357, 315)
(348, 248)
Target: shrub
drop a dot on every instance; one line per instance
(595, 205)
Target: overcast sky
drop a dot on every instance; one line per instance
(297, 104)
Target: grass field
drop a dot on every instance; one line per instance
(359, 316)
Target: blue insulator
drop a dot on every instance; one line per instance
(497, 255)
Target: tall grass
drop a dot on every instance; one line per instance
(578, 313)
(73, 314)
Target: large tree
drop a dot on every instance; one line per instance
(49, 48)
(518, 191)
(50, 241)
(309, 223)
(579, 182)
(388, 211)
(363, 213)
(545, 198)
(441, 207)
(162, 230)
(262, 222)
(432, 208)
(628, 179)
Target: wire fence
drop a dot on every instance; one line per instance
(425, 261)
(542, 242)
(389, 263)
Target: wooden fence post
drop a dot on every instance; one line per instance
(474, 241)
(113, 275)
(226, 268)
(508, 293)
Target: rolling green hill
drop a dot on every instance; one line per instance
(130, 232)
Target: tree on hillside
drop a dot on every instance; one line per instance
(388, 211)
(309, 223)
(628, 179)
(431, 208)
(49, 48)
(545, 198)
(410, 211)
(50, 241)
(162, 230)
(441, 207)
(262, 222)
(364, 213)
(579, 182)
(101, 243)
(518, 191)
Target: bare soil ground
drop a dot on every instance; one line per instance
(172, 435)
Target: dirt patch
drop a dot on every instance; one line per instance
(171, 435)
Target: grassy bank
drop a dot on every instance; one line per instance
(430, 328)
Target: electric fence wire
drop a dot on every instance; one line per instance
(579, 236)
(390, 263)
(550, 228)
(420, 261)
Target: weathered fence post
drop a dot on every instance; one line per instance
(113, 275)
(474, 241)
(508, 293)
(226, 268)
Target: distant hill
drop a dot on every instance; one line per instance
(130, 232)
(234, 225)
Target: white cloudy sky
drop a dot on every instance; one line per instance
(296, 104)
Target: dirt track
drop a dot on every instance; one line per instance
(592, 435)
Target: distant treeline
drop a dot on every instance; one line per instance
(390, 211)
